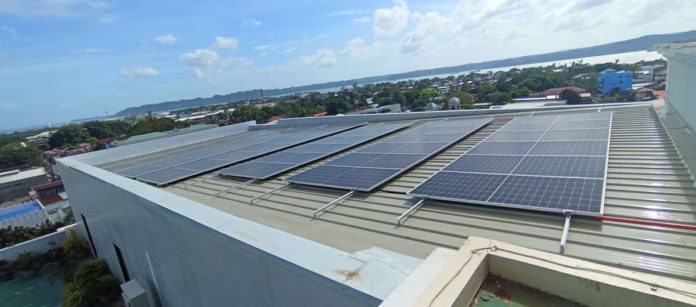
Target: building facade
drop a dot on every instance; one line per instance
(611, 79)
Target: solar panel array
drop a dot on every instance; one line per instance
(549, 163)
(279, 162)
(165, 168)
(368, 168)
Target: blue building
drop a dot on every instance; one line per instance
(610, 79)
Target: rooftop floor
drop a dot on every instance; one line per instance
(646, 180)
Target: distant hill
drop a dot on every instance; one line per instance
(637, 44)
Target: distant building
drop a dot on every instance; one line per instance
(611, 79)
(554, 93)
(454, 103)
(54, 200)
(15, 184)
(646, 73)
(432, 107)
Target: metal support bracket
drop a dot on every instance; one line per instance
(566, 229)
(218, 194)
(251, 201)
(186, 187)
(404, 216)
(332, 204)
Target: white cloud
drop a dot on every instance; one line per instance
(391, 21)
(323, 58)
(206, 62)
(357, 49)
(264, 47)
(8, 30)
(222, 42)
(251, 23)
(361, 20)
(51, 8)
(135, 72)
(165, 39)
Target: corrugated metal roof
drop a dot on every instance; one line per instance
(646, 180)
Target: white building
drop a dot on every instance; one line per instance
(210, 240)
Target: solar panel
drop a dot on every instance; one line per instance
(560, 168)
(208, 159)
(303, 154)
(368, 168)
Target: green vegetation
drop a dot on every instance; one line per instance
(91, 285)
(13, 235)
(68, 136)
(107, 129)
(16, 154)
(150, 124)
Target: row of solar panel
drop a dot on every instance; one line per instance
(369, 167)
(510, 164)
(529, 192)
(168, 167)
(274, 164)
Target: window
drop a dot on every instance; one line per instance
(89, 235)
(122, 263)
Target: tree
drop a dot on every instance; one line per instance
(68, 135)
(19, 154)
(464, 97)
(520, 92)
(570, 96)
(424, 97)
(499, 98)
(398, 97)
(247, 113)
(337, 106)
(106, 129)
(150, 124)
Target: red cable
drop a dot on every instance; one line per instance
(646, 222)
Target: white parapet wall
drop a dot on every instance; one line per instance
(680, 117)
(37, 245)
(453, 278)
(187, 254)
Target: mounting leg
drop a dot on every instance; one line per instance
(218, 194)
(197, 182)
(404, 216)
(332, 204)
(251, 201)
(566, 229)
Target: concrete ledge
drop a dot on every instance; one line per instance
(37, 245)
(579, 281)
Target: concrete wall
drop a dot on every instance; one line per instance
(19, 188)
(187, 254)
(680, 117)
(37, 245)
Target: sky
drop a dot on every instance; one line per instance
(69, 59)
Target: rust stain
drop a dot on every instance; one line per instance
(349, 275)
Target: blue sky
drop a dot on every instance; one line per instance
(69, 59)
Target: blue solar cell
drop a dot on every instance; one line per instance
(397, 161)
(319, 174)
(551, 193)
(502, 148)
(576, 135)
(361, 178)
(420, 148)
(538, 126)
(525, 136)
(354, 159)
(459, 186)
(134, 171)
(381, 147)
(167, 176)
(581, 124)
(570, 148)
(569, 166)
(484, 164)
